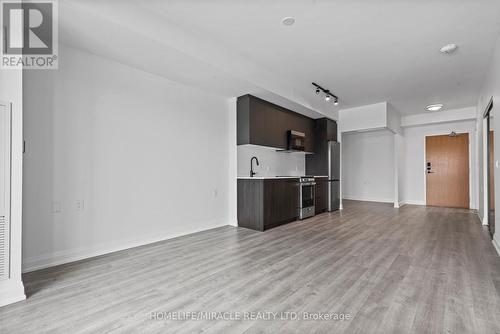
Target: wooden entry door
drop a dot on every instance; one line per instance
(447, 162)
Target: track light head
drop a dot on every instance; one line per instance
(329, 96)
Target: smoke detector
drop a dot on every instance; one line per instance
(449, 49)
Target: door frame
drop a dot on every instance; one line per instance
(472, 204)
(485, 138)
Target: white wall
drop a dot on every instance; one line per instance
(368, 166)
(491, 89)
(149, 158)
(372, 116)
(11, 91)
(444, 116)
(393, 119)
(414, 148)
(233, 164)
(271, 162)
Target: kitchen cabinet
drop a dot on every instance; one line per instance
(266, 124)
(331, 128)
(325, 130)
(281, 202)
(267, 203)
(321, 196)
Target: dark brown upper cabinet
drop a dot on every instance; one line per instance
(324, 131)
(266, 124)
(331, 128)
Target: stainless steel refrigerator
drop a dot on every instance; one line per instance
(333, 176)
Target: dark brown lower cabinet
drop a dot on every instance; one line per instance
(321, 196)
(281, 202)
(267, 203)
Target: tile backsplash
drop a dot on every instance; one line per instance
(271, 162)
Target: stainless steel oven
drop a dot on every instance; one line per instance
(307, 194)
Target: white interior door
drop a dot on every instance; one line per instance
(5, 161)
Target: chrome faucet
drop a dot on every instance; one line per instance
(252, 173)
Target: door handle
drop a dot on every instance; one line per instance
(428, 167)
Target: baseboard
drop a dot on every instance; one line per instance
(76, 254)
(483, 220)
(414, 202)
(11, 292)
(496, 245)
(400, 204)
(368, 199)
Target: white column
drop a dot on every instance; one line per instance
(11, 89)
(398, 169)
(233, 164)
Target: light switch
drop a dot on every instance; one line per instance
(79, 205)
(56, 207)
(496, 163)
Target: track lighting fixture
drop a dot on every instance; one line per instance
(328, 95)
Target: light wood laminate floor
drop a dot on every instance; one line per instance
(412, 270)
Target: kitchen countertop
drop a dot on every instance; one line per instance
(275, 177)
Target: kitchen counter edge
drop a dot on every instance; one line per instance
(275, 177)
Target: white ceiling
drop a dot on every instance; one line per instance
(364, 51)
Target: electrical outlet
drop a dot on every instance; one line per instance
(79, 205)
(56, 207)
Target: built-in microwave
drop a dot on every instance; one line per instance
(296, 140)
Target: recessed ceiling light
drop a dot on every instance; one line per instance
(449, 49)
(288, 21)
(434, 107)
